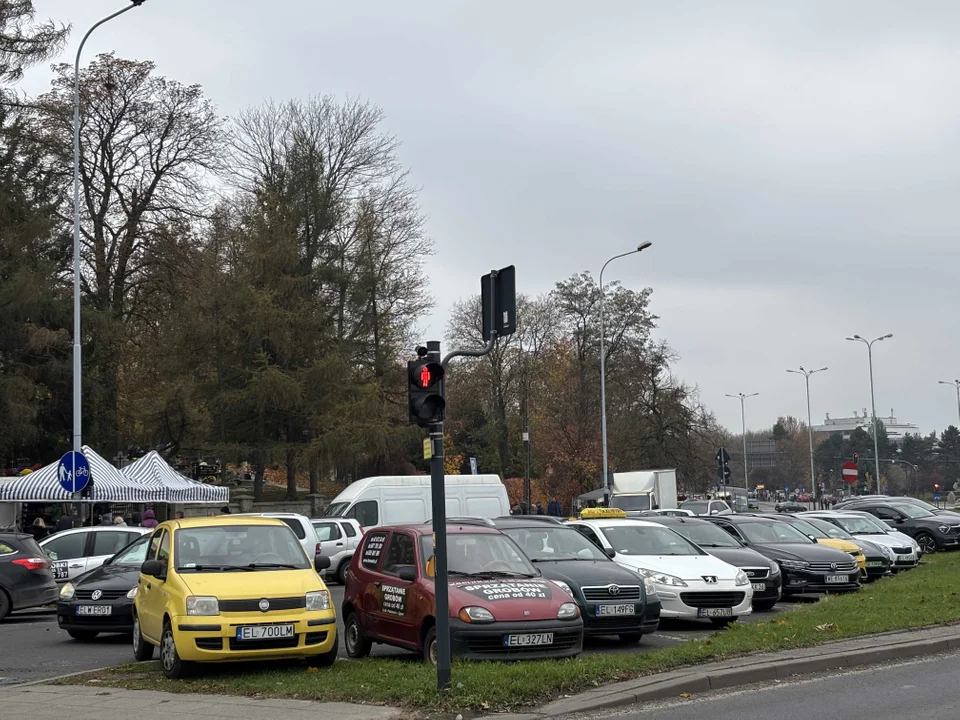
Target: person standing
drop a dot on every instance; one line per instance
(149, 519)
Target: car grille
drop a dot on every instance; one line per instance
(602, 593)
(756, 573)
(493, 644)
(270, 644)
(623, 621)
(287, 603)
(903, 550)
(712, 599)
(825, 567)
(106, 594)
(119, 617)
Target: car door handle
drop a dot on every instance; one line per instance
(77, 565)
(339, 544)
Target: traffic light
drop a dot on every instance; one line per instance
(426, 391)
(856, 458)
(723, 469)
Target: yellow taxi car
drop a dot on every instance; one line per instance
(821, 538)
(231, 588)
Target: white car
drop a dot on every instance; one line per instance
(339, 538)
(707, 507)
(690, 582)
(302, 528)
(78, 550)
(906, 551)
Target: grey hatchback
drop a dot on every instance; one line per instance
(26, 580)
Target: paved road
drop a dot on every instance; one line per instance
(919, 690)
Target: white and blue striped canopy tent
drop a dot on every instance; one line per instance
(109, 485)
(154, 472)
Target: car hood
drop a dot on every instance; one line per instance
(739, 557)
(802, 551)
(685, 567)
(109, 577)
(509, 599)
(249, 585)
(588, 572)
(847, 546)
(869, 547)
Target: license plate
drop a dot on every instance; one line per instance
(60, 571)
(94, 610)
(840, 579)
(759, 587)
(874, 563)
(264, 632)
(615, 610)
(714, 612)
(528, 639)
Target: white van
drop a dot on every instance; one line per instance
(406, 499)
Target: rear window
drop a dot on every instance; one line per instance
(350, 529)
(5, 549)
(296, 526)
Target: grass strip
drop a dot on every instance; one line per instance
(920, 598)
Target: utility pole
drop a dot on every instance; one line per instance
(955, 383)
(743, 421)
(806, 374)
(873, 403)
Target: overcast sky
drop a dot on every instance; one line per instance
(795, 164)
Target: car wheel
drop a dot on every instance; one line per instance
(430, 647)
(358, 646)
(342, 572)
(173, 667)
(723, 622)
(4, 605)
(927, 543)
(764, 604)
(326, 659)
(82, 635)
(630, 637)
(142, 650)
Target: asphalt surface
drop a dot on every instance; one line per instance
(919, 690)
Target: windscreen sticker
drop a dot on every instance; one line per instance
(393, 600)
(373, 548)
(533, 590)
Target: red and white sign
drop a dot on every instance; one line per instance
(849, 472)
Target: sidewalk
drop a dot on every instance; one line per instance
(77, 702)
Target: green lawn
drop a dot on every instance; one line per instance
(923, 597)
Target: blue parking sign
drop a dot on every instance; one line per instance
(73, 472)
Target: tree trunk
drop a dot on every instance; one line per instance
(258, 478)
(291, 474)
(314, 476)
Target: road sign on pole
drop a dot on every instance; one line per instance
(73, 472)
(849, 472)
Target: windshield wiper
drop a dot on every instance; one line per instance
(201, 568)
(499, 573)
(284, 566)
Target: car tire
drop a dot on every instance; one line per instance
(5, 605)
(430, 647)
(764, 604)
(927, 543)
(342, 571)
(723, 622)
(173, 667)
(356, 643)
(142, 650)
(326, 659)
(83, 635)
(630, 637)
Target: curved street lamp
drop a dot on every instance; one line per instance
(743, 421)
(806, 374)
(955, 383)
(873, 404)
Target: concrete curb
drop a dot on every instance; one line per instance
(751, 669)
(57, 678)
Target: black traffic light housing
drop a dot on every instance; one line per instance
(427, 401)
(723, 468)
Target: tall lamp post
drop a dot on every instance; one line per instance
(955, 383)
(77, 364)
(603, 360)
(873, 404)
(743, 421)
(806, 375)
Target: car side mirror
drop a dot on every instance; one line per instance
(153, 568)
(407, 573)
(321, 562)
(609, 552)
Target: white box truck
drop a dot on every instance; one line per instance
(642, 490)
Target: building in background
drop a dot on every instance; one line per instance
(895, 429)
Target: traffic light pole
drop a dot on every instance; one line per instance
(440, 555)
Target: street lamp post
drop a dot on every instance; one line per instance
(916, 473)
(743, 421)
(603, 367)
(77, 364)
(806, 374)
(955, 383)
(873, 404)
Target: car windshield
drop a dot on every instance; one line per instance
(630, 502)
(554, 543)
(773, 532)
(806, 527)
(225, 548)
(336, 509)
(862, 525)
(648, 540)
(912, 511)
(706, 535)
(479, 555)
(829, 529)
(696, 506)
(133, 554)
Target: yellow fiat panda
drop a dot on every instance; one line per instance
(231, 588)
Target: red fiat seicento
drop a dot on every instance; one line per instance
(500, 606)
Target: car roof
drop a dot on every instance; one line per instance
(671, 520)
(224, 521)
(531, 521)
(427, 528)
(99, 528)
(629, 522)
(273, 515)
(740, 518)
(15, 536)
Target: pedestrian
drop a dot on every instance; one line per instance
(178, 515)
(149, 519)
(66, 522)
(106, 519)
(539, 508)
(118, 520)
(39, 529)
(951, 499)
(210, 513)
(136, 518)
(225, 510)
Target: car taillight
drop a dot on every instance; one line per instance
(33, 563)
(319, 548)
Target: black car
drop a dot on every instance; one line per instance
(789, 506)
(26, 580)
(613, 600)
(806, 566)
(101, 601)
(848, 504)
(932, 531)
(764, 574)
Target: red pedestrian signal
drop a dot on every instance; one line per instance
(426, 392)
(425, 377)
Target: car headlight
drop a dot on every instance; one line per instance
(742, 578)
(793, 564)
(199, 605)
(649, 586)
(943, 528)
(476, 614)
(67, 592)
(774, 569)
(891, 555)
(564, 587)
(318, 600)
(568, 611)
(133, 593)
(663, 579)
